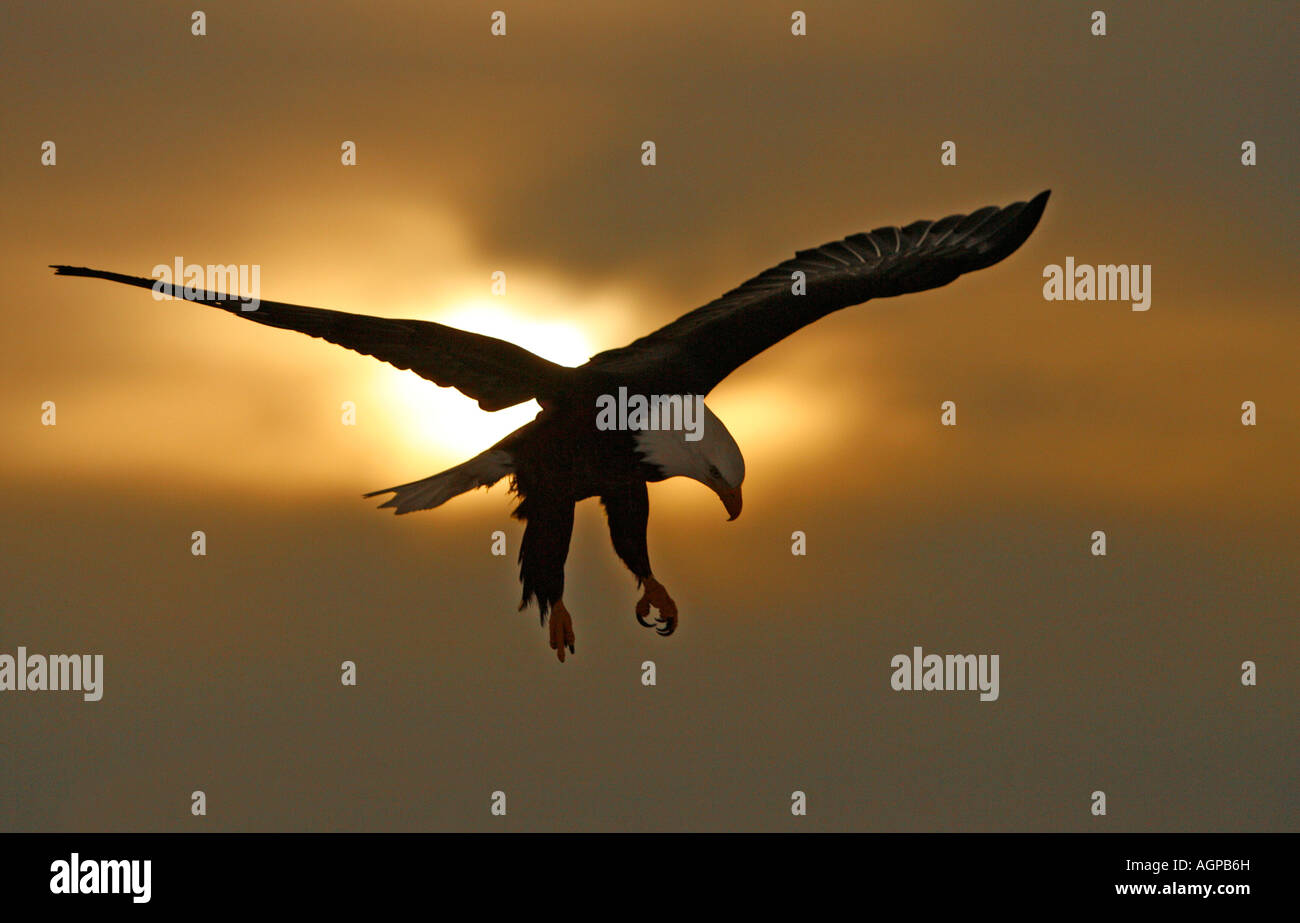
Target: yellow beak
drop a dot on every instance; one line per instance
(731, 499)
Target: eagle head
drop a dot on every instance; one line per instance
(707, 454)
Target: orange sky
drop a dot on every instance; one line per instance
(522, 154)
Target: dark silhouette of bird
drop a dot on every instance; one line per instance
(564, 455)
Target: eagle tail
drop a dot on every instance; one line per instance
(482, 470)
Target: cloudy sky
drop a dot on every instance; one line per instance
(522, 154)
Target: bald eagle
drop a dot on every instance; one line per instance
(564, 455)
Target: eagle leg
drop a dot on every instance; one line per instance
(655, 595)
(561, 629)
(628, 511)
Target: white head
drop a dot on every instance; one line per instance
(713, 459)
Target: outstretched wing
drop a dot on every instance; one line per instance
(493, 372)
(701, 348)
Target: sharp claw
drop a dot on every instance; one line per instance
(643, 610)
(656, 597)
(561, 631)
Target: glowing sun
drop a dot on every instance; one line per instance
(442, 421)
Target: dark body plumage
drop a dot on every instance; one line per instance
(561, 457)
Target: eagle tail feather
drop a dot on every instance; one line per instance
(482, 470)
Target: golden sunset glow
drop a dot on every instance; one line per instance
(521, 154)
(449, 424)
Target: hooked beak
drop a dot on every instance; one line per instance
(731, 499)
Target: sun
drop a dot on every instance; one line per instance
(444, 424)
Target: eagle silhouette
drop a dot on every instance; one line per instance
(563, 456)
